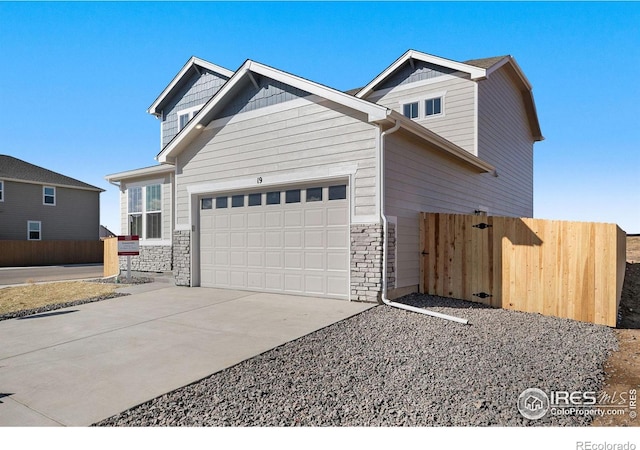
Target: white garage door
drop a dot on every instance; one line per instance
(293, 240)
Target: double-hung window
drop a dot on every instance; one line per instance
(49, 195)
(144, 211)
(410, 110)
(34, 230)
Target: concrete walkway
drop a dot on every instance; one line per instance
(79, 365)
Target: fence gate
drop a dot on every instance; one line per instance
(457, 257)
(565, 269)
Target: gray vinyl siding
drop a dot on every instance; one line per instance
(420, 71)
(75, 216)
(419, 179)
(304, 137)
(198, 89)
(505, 140)
(457, 124)
(269, 92)
(167, 202)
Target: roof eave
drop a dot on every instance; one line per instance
(153, 109)
(475, 73)
(138, 173)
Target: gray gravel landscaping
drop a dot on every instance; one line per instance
(389, 367)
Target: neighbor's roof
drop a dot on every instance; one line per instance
(18, 170)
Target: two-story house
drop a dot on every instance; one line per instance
(271, 182)
(38, 204)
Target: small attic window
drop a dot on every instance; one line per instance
(185, 115)
(433, 106)
(410, 110)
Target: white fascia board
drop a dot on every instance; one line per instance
(192, 61)
(374, 112)
(475, 73)
(443, 144)
(137, 173)
(175, 146)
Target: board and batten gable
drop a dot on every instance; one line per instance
(75, 215)
(505, 140)
(166, 198)
(457, 121)
(306, 138)
(198, 89)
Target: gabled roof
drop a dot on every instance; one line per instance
(478, 70)
(192, 65)
(18, 170)
(474, 72)
(373, 111)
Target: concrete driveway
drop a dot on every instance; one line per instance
(22, 275)
(79, 365)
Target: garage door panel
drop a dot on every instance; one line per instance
(293, 260)
(274, 260)
(314, 218)
(314, 239)
(300, 247)
(273, 239)
(337, 238)
(314, 260)
(255, 220)
(255, 239)
(221, 221)
(292, 219)
(238, 258)
(273, 219)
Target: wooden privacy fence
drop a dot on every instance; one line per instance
(43, 253)
(573, 270)
(111, 260)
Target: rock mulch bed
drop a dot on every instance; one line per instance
(388, 367)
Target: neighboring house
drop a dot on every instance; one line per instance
(271, 182)
(106, 233)
(39, 204)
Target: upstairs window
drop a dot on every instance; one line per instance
(1, 191)
(433, 106)
(49, 195)
(185, 115)
(410, 110)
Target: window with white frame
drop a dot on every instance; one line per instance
(144, 211)
(34, 230)
(433, 106)
(49, 195)
(410, 110)
(1, 191)
(185, 115)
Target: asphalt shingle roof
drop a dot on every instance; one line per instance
(484, 63)
(18, 169)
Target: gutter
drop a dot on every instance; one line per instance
(385, 250)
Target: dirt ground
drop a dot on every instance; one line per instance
(623, 367)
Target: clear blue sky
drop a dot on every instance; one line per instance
(76, 78)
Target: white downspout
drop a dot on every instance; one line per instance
(383, 216)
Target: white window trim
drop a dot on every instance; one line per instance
(1, 190)
(422, 109)
(45, 195)
(29, 222)
(191, 111)
(144, 211)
